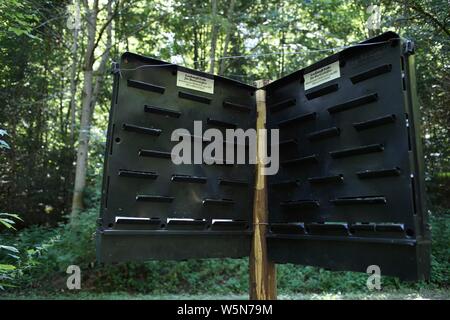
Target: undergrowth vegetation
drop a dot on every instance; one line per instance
(45, 253)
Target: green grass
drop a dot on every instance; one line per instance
(424, 294)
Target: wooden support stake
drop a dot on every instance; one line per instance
(263, 282)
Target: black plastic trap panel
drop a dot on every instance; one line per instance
(349, 192)
(152, 208)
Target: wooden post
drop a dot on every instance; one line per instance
(263, 285)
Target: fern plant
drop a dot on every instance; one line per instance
(3, 144)
(7, 221)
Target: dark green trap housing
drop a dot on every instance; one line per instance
(349, 192)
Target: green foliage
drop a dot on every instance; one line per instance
(440, 249)
(3, 143)
(36, 173)
(16, 19)
(45, 253)
(8, 251)
(7, 221)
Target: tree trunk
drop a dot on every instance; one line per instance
(227, 37)
(85, 123)
(214, 33)
(73, 77)
(204, 46)
(196, 57)
(283, 43)
(100, 73)
(90, 95)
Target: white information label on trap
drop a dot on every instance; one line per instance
(194, 82)
(322, 75)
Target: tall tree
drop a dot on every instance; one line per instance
(90, 92)
(214, 36)
(75, 26)
(228, 32)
